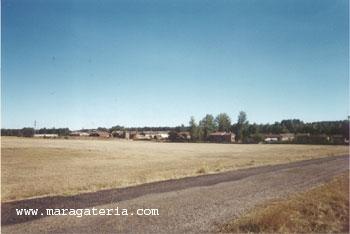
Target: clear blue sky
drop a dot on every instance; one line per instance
(85, 64)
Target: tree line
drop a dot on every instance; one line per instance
(201, 130)
(249, 133)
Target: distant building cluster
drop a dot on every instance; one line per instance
(135, 135)
(217, 137)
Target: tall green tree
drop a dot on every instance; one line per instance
(200, 133)
(183, 128)
(293, 125)
(208, 125)
(223, 122)
(193, 129)
(254, 129)
(102, 129)
(242, 126)
(116, 128)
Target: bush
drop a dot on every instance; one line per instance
(318, 140)
(173, 136)
(259, 138)
(254, 139)
(27, 132)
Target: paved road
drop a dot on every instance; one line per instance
(195, 204)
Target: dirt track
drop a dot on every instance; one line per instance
(195, 204)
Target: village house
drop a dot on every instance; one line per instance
(150, 134)
(46, 135)
(163, 135)
(273, 137)
(78, 133)
(118, 134)
(222, 137)
(287, 137)
(156, 134)
(185, 135)
(130, 134)
(279, 137)
(99, 134)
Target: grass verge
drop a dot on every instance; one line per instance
(324, 209)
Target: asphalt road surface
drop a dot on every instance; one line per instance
(196, 204)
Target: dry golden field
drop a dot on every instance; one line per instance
(38, 167)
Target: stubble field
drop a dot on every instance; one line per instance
(39, 167)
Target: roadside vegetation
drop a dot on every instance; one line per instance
(324, 209)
